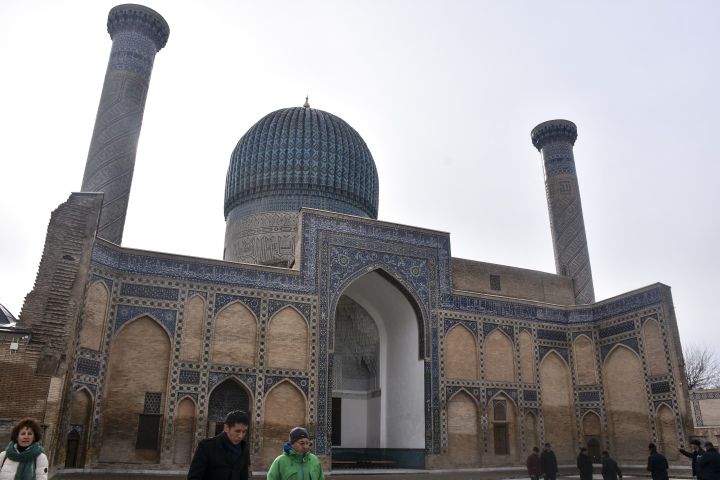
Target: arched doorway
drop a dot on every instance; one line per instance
(72, 449)
(378, 376)
(225, 398)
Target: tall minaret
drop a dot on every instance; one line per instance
(555, 139)
(138, 33)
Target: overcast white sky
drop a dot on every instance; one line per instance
(445, 94)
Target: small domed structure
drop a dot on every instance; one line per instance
(293, 158)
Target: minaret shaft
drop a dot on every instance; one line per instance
(138, 33)
(555, 140)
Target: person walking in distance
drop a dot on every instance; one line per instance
(657, 464)
(610, 469)
(584, 464)
(709, 463)
(695, 451)
(533, 464)
(548, 463)
(24, 458)
(296, 462)
(225, 456)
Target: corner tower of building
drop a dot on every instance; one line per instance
(293, 158)
(138, 33)
(555, 140)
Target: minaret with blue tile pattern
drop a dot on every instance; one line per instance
(138, 33)
(555, 140)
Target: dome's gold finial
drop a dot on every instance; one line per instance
(307, 104)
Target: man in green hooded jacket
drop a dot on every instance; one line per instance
(296, 462)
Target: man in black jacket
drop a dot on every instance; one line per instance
(548, 463)
(225, 456)
(657, 464)
(709, 463)
(584, 464)
(696, 451)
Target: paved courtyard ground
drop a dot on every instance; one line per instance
(480, 474)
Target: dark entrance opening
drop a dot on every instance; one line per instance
(226, 397)
(71, 449)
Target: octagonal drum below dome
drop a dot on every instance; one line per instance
(293, 158)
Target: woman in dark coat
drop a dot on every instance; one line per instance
(610, 469)
(584, 464)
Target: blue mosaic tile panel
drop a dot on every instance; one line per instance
(532, 312)
(300, 382)
(189, 377)
(215, 378)
(545, 334)
(451, 322)
(563, 352)
(92, 388)
(530, 395)
(275, 306)
(252, 303)
(630, 342)
(453, 389)
(125, 313)
(510, 392)
(589, 396)
(660, 387)
(617, 329)
(86, 366)
(149, 291)
(97, 278)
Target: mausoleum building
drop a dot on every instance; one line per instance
(390, 350)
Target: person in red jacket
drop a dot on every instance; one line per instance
(533, 464)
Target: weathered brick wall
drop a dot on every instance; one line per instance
(23, 394)
(51, 310)
(472, 276)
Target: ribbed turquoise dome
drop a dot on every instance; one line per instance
(301, 157)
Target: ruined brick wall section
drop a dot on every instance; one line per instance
(22, 394)
(52, 309)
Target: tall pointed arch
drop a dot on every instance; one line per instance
(193, 336)
(626, 402)
(654, 348)
(502, 431)
(95, 314)
(461, 353)
(235, 332)
(183, 431)
(287, 344)
(394, 279)
(584, 353)
(498, 357)
(557, 405)
(527, 357)
(285, 407)
(135, 403)
(225, 397)
(81, 406)
(463, 429)
(666, 431)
